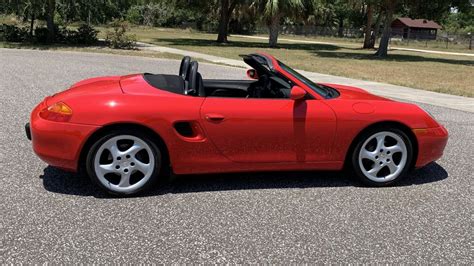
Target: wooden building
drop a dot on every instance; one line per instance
(417, 29)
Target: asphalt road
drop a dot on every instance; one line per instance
(47, 215)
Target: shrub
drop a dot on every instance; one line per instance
(118, 38)
(64, 35)
(85, 34)
(41, 35)
(12, 33)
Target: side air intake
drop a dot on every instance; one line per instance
(184, 129)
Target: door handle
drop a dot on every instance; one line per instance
(214, 117)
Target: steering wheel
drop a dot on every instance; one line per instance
(262, 88)
(194, 85)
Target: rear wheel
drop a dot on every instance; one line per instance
(124, 163)
(382, 156)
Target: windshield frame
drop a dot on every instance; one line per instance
(323, 91)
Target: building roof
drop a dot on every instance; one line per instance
(419, 23)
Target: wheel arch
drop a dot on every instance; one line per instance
(156, 138)
(406, 129)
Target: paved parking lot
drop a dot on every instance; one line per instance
(52, 216)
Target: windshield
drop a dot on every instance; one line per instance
(325, 91)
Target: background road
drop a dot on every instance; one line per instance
(47, 215)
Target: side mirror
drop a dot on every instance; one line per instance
(297, 93)
(252, 73)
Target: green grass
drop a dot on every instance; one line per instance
(440, 73)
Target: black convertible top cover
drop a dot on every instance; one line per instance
(171, 83)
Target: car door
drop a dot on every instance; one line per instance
(269, 130)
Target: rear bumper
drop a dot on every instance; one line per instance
(58, 144)
(431, 144)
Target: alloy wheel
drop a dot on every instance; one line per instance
(124, 163)
(383, 156)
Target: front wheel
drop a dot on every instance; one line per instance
(382, 156)
(124, 163)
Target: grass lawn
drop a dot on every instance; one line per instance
(440, 73)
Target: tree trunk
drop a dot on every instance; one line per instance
(50, 19)
(383, 46)
(226, 11)
(273, 29)
(340, 30)
(377, 28)
(32, 24)
(368, 27)
(223, 22)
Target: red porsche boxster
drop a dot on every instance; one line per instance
(127, 131)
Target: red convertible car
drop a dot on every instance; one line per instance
(127, 131)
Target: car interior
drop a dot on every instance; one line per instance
(264, 83)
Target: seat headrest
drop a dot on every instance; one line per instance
(183, 68)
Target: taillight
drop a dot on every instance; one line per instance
(58, 112)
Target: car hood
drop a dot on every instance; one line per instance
(353, 93)
(92, 86)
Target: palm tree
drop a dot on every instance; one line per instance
(273, 11)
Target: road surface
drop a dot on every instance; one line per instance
(48, 215)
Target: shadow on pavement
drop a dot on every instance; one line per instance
(58, 181)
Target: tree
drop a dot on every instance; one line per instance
(437, 10)
(32, 9)
(273, 11)
(377, 27)
(342, 9)
(227, 7)
(389, 6)
(50, 9)
(428, 9)
(368, 26)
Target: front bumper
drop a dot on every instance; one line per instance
(431, 144)
(58, 144)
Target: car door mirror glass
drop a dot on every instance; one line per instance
(252, 74)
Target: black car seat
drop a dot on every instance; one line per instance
(183, 68)
(194, 83)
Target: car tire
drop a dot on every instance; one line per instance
(124, 163)
(382, 156)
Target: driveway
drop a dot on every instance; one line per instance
(48, 215)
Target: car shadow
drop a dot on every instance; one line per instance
(59, 181)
